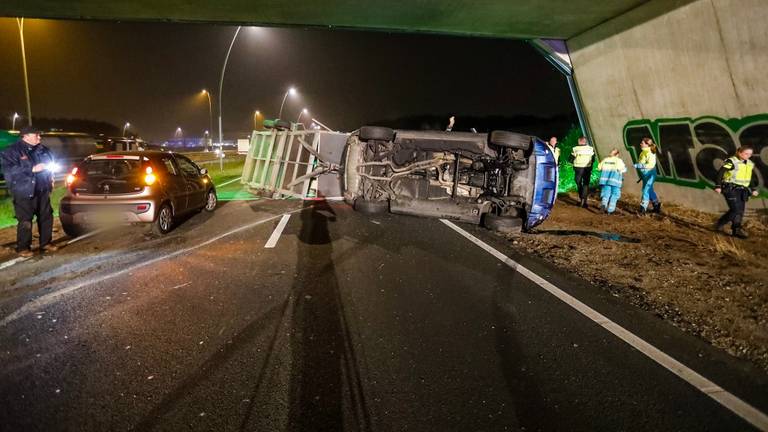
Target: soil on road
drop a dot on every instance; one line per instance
(674, 265)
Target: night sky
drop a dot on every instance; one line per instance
(151, 75)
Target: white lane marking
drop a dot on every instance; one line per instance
(13, 261)
(47, 299)
(85, 236)
(229, 182)
(724, 398)
(272, 242)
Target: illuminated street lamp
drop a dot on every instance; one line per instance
(210, 111)
(221, 79)
(178, 133)
(302, 112)
(125, 127)
(256, 115)
(13, 121)
(20, 24)
(291, 91)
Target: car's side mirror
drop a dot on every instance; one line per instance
(203, 171)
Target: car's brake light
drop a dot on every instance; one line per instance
(72, 176)
(149, 178)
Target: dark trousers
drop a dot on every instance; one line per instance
(26, 208)
(581, 176)
(736, 198)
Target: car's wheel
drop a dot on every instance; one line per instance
(164, 220)
(73, 230)
(376, 133)
(510, 140)
(503, 224)
(371, 207)
(210, 201)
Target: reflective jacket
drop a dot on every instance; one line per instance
(583, 156)
(17, 163)
(737, 172)
(612, 171)
(646, 160)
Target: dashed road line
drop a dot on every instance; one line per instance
(726, 399)
(272, 242)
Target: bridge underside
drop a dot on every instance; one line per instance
(559, 19)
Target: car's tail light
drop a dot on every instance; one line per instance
(72, 176)
(149, 177)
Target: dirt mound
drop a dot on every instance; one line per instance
(673, 264)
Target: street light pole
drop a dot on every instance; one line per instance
(256, 115)
(221, 79)
(125, 127)
(291, 91)
(302, 112)
(210, 113)
(20, 23)
(13, 122)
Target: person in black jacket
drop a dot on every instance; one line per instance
(28, 167)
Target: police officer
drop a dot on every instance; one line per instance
(582, 157)
(28, 169)
(736, 183)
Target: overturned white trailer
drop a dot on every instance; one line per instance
(294, 164)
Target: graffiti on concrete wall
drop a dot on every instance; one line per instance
(691, 151)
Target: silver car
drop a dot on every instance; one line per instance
(144, 187)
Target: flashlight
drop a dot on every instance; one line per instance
(53, 167)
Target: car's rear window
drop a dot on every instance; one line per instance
(110, 176)
(119, 169)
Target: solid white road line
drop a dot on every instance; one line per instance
(724, 398)
(272, 242)
(47, 299)
(228, 182)
(13, 261)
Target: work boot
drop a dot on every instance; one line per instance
(657, 207)
(584, 203)
(26, 253)
(738, 232)
(642, 211)
(49, 248)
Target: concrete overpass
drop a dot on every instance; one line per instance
(691, 73)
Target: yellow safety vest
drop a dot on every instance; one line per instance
(582, 155)
(647, 159)
(556, 152)
(741, 174)
(612, 163)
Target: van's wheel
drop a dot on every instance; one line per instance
(510, 140)
(376, 133)
(503, 224)
(371, 207)
(164, 220)
(210, 201)
(73, 230)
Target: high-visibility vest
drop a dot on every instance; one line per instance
(741, 174)
(612, 163)
(556, 152)
(582, 155)
(647, 159)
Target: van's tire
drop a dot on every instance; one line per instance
(371, 207)
(73, 230)
(511, 140)
(376, 133)
(163, 223)
(503, 224)
(211, 200)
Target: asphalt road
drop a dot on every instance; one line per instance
(348, 323)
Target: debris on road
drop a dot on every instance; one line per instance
(704, 282)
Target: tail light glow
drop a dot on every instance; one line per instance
(72, 176)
